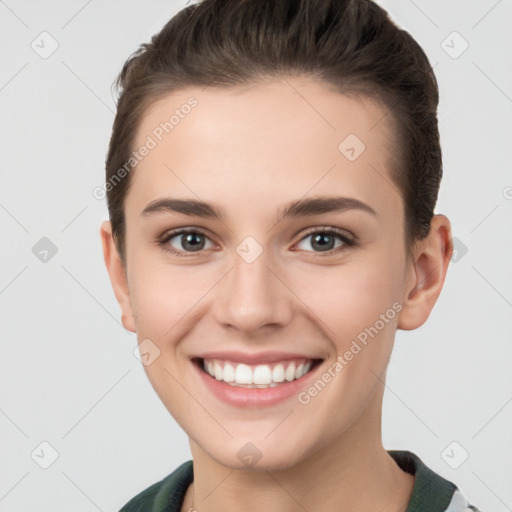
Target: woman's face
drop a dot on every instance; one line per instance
(252, 291)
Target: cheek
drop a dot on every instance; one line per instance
(349, 298)
(168, 302)
(162, 296)
(165, 300)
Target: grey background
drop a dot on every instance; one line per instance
(68, 376)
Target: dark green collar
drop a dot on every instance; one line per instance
(431, 492)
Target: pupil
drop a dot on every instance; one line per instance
(192, 238)
(323, 239)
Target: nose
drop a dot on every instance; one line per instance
(253, 296)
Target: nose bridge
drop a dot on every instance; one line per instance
(253, 296)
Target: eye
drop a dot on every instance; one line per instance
(324, 240)
(187, 241)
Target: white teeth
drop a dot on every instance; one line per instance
(289, 374)
(261, 386)
(278, 373)
(243, 374)
(229, 373)
(217, 368)
(260, 376)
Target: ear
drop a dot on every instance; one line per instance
(426, 274)
(118, 277)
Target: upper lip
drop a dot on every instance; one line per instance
(262, 357)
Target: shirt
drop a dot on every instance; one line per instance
(431, 492)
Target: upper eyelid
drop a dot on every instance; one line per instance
(337, 231)
(167, 235)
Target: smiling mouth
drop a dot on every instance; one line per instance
(260, 376)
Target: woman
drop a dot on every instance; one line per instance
(271, 183)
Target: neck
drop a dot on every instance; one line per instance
(354, 473)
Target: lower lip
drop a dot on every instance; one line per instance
(254, 397)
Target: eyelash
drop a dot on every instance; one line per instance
(347, 242)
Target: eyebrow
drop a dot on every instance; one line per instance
(299, 208)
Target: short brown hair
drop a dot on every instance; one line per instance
(350, 44)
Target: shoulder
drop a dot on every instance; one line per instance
(164, 495)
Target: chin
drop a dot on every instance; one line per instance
(258, 455)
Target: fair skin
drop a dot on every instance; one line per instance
(250, 151)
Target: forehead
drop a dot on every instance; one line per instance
(280, 138)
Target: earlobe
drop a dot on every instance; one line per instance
(427, 274)
(118, 277)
